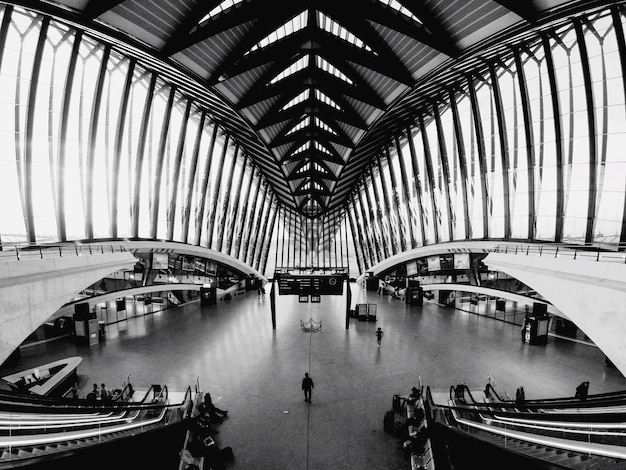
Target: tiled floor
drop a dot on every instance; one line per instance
(255, 372)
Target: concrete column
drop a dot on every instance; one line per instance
(31, 290)
(591, 293)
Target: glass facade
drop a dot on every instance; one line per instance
(527, 145)
(96, 146)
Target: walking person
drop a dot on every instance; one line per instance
(307, 386)
(379, 335)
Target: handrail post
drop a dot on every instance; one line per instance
(575, 252)
(60, 252)
(76, 249)
(90, 250)
(17, 253)
(556, 254)
(40, 253)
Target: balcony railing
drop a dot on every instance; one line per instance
(584, 252)
(27, 251)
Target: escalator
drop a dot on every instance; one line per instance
(563, 437)
(35, 430)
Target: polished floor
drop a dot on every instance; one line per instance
(255, 372)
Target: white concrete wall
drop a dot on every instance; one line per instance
(33, 289)
(590, 293)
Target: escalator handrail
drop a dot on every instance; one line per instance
(607, 417)
(559, 400)
(108, 420)
(504, 432)
(120, 396)
(605, 399)
(51, 405)
(492, 391)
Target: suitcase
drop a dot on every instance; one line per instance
(388, 424)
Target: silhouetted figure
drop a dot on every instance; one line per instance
(94, 394)
(307, 386)
(208, 409)
(520, 397)
(105, 395)
(379, 335)
(582, 391)
(414, 396)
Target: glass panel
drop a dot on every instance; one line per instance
(426, 189)
(569, 80)
(186, 169)
(608, 96)
(455, 177)
(545, 169)
(494, 179)
(472, 161)
(439, 190)
(518, 157)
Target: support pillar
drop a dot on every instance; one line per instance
(273, 303)
(348, 302)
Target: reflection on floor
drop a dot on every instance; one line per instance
(255, 372)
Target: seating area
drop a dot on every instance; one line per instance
(199, 447)
(407, 421)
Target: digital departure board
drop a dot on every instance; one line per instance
(310, 284)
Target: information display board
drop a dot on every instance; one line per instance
(302, 284)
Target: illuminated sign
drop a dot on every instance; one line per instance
(310, 284)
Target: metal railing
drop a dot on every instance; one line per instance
(614, 253)
(31, 251)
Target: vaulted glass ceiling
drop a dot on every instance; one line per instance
(301, 102)
(319, 74)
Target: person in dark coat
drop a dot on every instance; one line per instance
(307, 386)
(208, 409)
(582, 391)
(379, 335)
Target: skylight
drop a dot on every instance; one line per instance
(325, 99)
(322, 125)
(301, 125)
(290, 27)
(301, 149)
(327, 67)
(297, 100)
(401, 8)
(300, 64)
(319, 168)
(321, 148)
(225, 5)
(331, 26)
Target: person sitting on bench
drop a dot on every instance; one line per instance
(208, 409)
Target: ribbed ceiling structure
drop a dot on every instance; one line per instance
(311, 89)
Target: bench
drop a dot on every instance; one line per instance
(188, 461)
